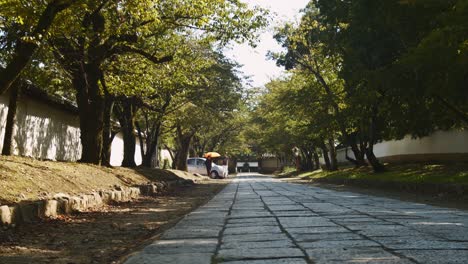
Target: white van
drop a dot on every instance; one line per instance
(197, 165)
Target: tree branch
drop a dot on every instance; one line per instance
(148, 56)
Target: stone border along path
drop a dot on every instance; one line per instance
(64, 204)
(260, 220)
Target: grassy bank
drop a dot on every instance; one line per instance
(29, 179)
(408, 173)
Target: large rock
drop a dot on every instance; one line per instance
(118, 196)
(50, 208)
(5, 215)
(154, 188)
(106, 196)
(91, 201)
(84, 201)
(125, 195)
(75, 203)
(97, 199)
(134, 192)
(64, 205)
(15, 214)
(30, 211)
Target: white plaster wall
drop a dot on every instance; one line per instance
(41, 131)
(3, 117)
(440, 142)
(341, 155)
(45, 132)
(118, 150)
(165, 155)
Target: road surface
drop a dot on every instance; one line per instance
(260, 220)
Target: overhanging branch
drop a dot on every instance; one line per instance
(148, 56)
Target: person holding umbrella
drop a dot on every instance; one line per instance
(209, 159)
(208, 165)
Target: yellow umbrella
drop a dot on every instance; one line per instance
(212, 155)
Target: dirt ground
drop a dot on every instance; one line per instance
(442, 199)
(105, 236)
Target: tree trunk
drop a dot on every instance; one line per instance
(359, 155)
(333, 160)
(91, 111)
(181, 160)
(358, 160)
(171, 153)
(151, 144)
(127, 124)
(325, 156)
(316, 160)
(107, 135)
(174, 163)
(142, 142)
(307, 164)
(152, 148)
(11, 116)
(376, 165)
(25, 49)
(129, 147)
(183, 140)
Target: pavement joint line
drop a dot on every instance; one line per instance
(307, 258)
(221, 233)
(355, 232)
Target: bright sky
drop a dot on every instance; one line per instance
(254, 61)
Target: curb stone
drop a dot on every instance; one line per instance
(63, 204)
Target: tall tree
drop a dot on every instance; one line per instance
(211, 102)
(307, 50)
(24, 26)
(99, 31)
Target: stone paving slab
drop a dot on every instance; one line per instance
(294, 213)
(255, 237)
(437, 256)
(191, 233)
(342, 244)
(185, 245)
(384, 230)
(252, 224)
(326, 237)
(251, 220)
(258, 253)
(284, 243)
(269, 261)
(305, 221)
(260, 220)
(317, 229)
(248, 214)
(252, 230)
(182, 258)
(282, 207)
(425, 244)
(353, 255)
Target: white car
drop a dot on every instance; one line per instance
(197, 165)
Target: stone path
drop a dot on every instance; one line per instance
(260, 220)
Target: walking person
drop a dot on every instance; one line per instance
(208, 165)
